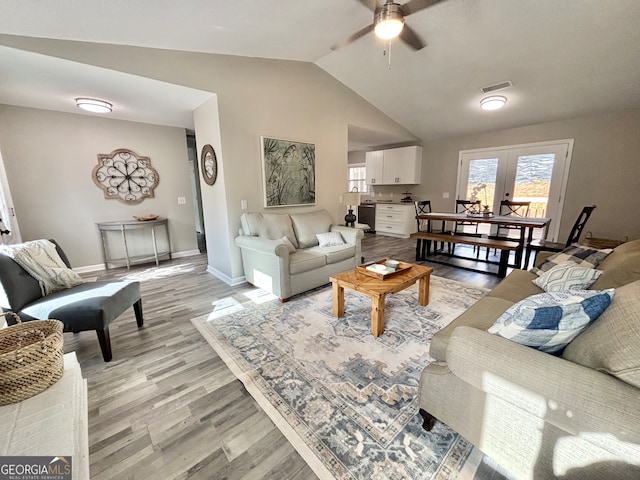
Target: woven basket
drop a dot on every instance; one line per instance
(601, 243)
(31, 358)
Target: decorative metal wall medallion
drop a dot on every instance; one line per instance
(125, 176)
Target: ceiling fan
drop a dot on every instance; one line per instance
(388, 22)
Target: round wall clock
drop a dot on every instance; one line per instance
(209, 164)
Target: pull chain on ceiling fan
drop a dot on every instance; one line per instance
(389, 22)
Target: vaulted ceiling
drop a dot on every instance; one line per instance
(565, 58)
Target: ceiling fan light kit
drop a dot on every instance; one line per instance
(493, 102)
(388, 21)
(94, 105)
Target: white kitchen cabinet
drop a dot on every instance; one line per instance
(395, 219)
(395, 166)
(374, 163)
(402, 165)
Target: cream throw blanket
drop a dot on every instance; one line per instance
(41, 260)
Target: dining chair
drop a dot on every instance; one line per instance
(468, 228)
(574, 236)
(510, 232)
(422, 207)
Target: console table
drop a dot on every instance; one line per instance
(123, 226)
(52, 423)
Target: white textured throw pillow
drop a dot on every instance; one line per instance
(287, 243)
(567, 276)
(330, 239)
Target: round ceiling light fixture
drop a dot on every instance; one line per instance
(388, 20)
(94, 105)
(493, 103)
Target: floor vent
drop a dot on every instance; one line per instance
(497, 86)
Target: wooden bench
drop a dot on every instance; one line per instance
(505, 246)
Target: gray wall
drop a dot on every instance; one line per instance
(49, 157)
(605, 169)
(255, 97)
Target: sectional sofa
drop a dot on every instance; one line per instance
(572, 416)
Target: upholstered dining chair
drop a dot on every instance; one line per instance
(88, 306)
(574, 236)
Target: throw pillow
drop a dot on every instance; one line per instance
(583, 256)
(567, 276)
(612, 343)
(287, 243)
(330, 239)
(549, 321)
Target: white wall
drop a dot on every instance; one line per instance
(49, 157)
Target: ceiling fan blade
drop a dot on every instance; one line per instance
(413, 6)
(370, 4)
(360, 33)
(411, 38)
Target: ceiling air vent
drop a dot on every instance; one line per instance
(497, 86)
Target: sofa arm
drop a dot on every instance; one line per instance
(570, 396)
(350, 235)
(262, 245)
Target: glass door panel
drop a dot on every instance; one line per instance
(536, 174)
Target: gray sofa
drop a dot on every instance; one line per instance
(268, 263)
(539, 416)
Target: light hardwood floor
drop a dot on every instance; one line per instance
(166, 406)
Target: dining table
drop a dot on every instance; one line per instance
(527, 226)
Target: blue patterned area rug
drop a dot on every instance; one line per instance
(347, 401)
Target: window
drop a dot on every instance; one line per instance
(357, 177)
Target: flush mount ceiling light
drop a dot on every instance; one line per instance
(493, 103)
(94, 105)
(388, 20)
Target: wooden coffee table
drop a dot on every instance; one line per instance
(376, 289)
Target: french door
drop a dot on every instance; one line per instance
(535, 173)
(8, 220)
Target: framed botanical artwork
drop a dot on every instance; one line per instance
(209, 164)
(289, 172)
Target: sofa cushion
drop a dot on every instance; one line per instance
(274, 226)
(304, 260)
(336, 253)
(583, 256)
(621, 267)
(250, 223)
(516, 286)
(329, 239)
(287, 243)
(567, 276)
(549, 321)
(481, 315)
(307, 225)
(612, 343)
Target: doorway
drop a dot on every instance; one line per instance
(535, 173)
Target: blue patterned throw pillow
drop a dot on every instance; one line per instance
(583, 256)
(549, 321)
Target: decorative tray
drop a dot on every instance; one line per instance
(383, 272)
(480, 215)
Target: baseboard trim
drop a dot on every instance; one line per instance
(232, 282)
(186, 253)
(100, 266)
